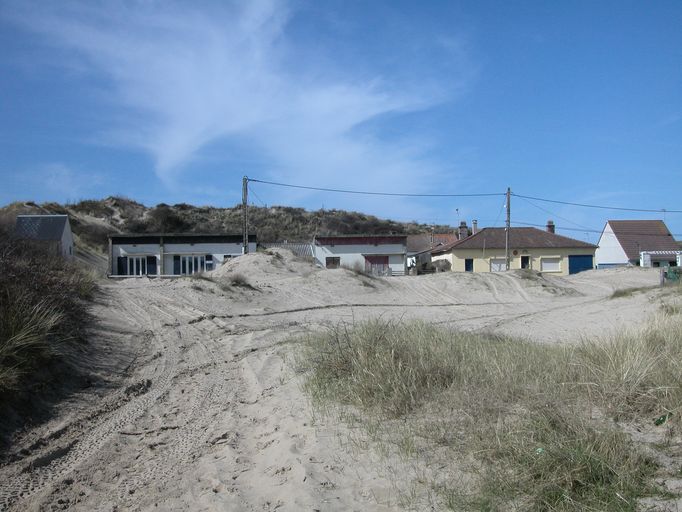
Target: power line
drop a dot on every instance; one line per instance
(552, 213)
(489, 194)
(588, 230)
(259, 199)
(368, 193)
(660, 210)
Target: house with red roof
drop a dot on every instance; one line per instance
(529, 248)
(622, 243)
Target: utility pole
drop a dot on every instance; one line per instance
(245, 214)
(507, 226)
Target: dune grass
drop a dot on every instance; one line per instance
(43, 309)
(534, 427)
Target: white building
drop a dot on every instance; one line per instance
(622, 242)
(172, 255)
(377, 254)
(52, 229)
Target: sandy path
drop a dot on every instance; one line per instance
(207, 413)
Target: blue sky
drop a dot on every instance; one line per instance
(175, 102)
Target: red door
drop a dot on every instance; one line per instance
(376, 264)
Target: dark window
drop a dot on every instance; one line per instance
(151, 265)
(333, 262)
(176, 265)
(525, 261)
(209, 262)
(469, 265)
(121, 266)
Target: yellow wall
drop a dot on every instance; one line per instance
(482, 258)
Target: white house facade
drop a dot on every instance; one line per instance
(609, 251)
(377, 254)
(172, 255)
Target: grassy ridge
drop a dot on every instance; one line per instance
(274, 223)
(43, 309)
(535, 424)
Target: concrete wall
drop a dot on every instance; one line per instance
(609, 253)
(482, 259)
(352, 255)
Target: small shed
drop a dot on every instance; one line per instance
(419, 248)
(54, 230)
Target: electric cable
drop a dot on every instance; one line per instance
(368, 193)
(602, 207)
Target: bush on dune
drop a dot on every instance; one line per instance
(43, 309)
(538, 420)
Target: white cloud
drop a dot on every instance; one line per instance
(189, 77)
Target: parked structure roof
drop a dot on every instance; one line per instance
(41, 227)
(635, 236)
(360, 239)
(531, 238)
(178, 238)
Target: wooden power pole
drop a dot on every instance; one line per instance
(507, 226)
(245, 214)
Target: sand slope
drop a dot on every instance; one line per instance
(200, 410)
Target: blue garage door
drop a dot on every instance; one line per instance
(579, 263)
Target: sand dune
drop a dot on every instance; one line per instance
(199, 408)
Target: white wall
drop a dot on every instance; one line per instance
(352, 255)
(609, 251)
(218, 250)
(66, 244)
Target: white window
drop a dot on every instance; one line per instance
(137, 265)
(192, 264)
(550, 265)
(498, 264)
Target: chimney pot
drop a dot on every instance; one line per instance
(463, 230)
(474, 227)
(550, 226)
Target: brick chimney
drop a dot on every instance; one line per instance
(550, 226)
(474, 227)
(463, 230)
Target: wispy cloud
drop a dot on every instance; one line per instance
(50, 180)
(190, 77)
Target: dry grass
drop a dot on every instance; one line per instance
(535, 423)
(628, 292)
(43, 308)
(240, 280)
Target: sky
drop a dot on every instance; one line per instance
(170, 102)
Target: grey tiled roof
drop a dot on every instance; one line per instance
(426, 242)
(41, 227)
